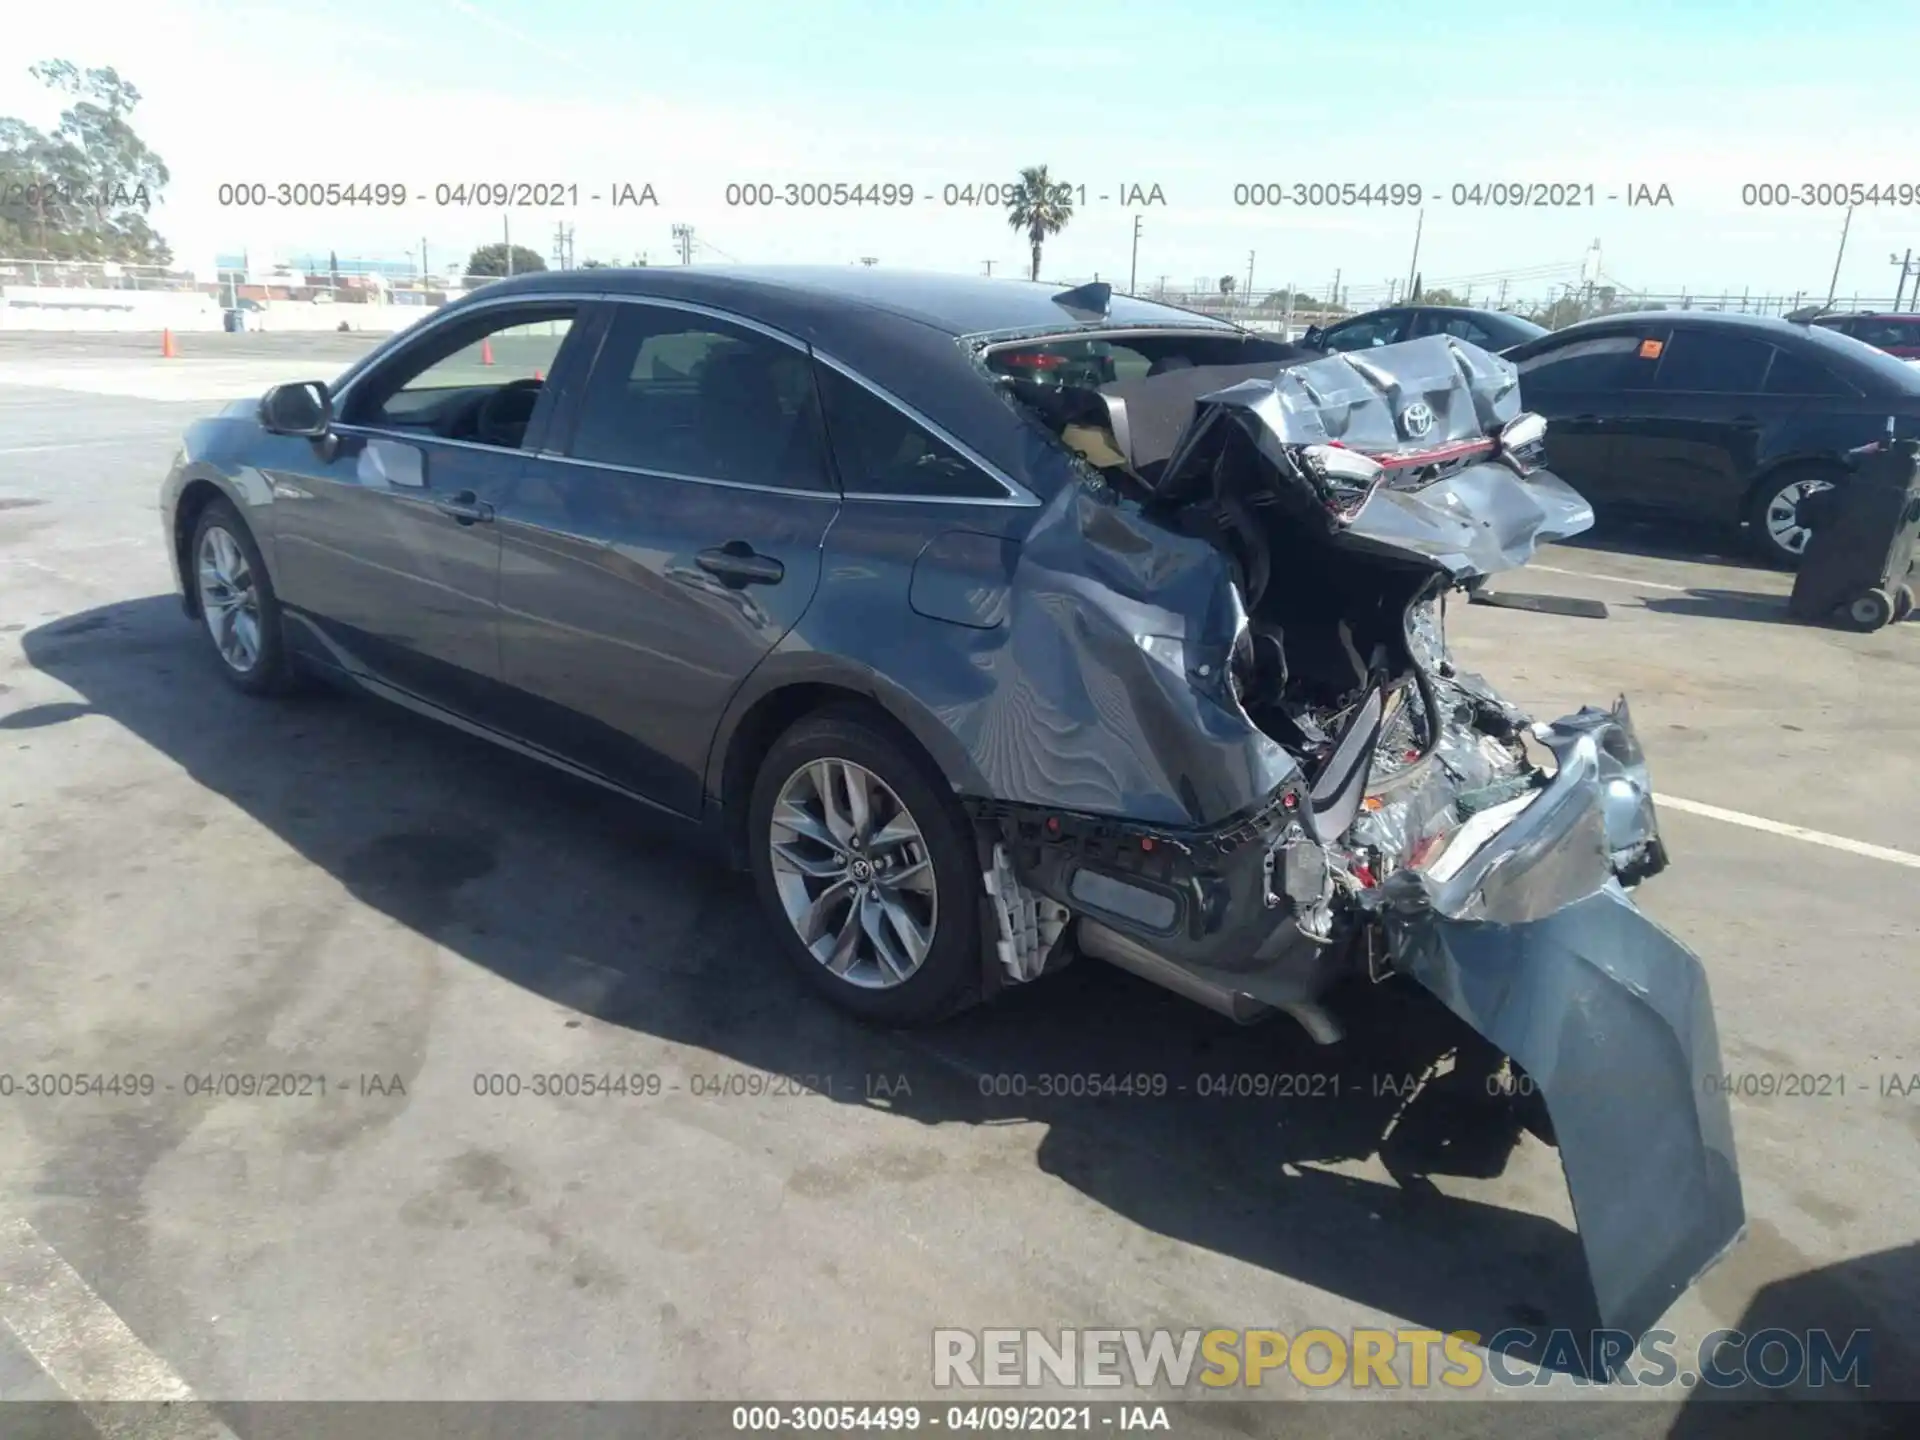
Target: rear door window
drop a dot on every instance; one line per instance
(1700, 360)
(1579, 365)
(678, 393)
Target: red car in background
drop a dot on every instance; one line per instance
(1896, 334)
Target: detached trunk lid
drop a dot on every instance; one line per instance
(1396, 452)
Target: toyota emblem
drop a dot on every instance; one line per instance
(1417, 419)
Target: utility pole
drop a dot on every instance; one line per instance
(1905, 262)
(683, 241)
(1503, 293)
(869, 260)
(424, 272)
(1834, 283)
(1250, 278)
(1133, 274)
(989, 265)
(1413, 265)
(1334, 299)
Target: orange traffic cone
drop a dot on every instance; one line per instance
(540, 375)
(168, 350)
(486, 352)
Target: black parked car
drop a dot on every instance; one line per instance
(1725, 419)
(1489, 329)
(979, 663)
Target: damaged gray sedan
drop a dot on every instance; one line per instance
(992, 626)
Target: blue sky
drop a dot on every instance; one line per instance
(1194, 99)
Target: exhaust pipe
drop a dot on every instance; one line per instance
(1130, 955)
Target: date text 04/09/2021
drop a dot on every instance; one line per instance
(462, 194)
(1467, 195)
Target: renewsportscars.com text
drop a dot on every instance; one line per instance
(1773, 1359)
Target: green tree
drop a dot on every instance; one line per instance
(84, 191)
(1041, 207)
(1441, 296)
(492, 260)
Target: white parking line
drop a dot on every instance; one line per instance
(146, 439)
(1791, 832)
(87, 1350)
(1614, 579)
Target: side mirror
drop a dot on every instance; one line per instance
(303, 407)
(1313, 336)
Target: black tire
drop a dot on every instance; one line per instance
(271, 671)
(1872, 610)
(949, 978)
(1759, 538)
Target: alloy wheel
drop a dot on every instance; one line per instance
(854, 873)
(1783, 515)
(228, 600)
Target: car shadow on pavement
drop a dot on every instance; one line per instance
(1676, 540)
(1254, 1143)
(1755, 605)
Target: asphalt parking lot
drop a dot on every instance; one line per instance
(194, 885)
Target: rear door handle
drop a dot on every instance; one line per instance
(466, 507)
(736, 564)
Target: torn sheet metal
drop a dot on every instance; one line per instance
(1532, 941)
(1108, 694)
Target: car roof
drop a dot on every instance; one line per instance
(1767, 325)
(1907, 315)
(954, 304)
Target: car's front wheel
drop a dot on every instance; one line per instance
(1777, 530)
(867, 868)
(236, 601)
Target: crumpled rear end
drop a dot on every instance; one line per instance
(1535, 944)
(1230, 751)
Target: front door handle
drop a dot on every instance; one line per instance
(466, 507)
(736, 563)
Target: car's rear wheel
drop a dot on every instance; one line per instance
(867, 870)
(237, 605)
(1776, 530)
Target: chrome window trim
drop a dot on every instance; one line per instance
(414, 437)
(711, 313)
(641, 470)
(1017, 495)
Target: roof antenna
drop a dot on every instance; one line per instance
(1087, 302)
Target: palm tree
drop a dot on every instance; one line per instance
(1040, 207)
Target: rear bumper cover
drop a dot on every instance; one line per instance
(1536, 945)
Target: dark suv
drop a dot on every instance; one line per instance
(1727, 419)
(1898, 335)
